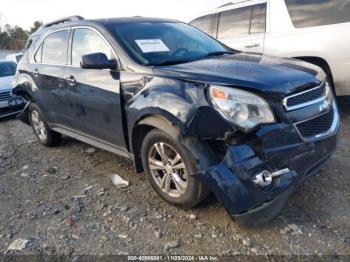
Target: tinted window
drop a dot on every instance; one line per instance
(55, 48)
(87, 41)
(160, 43)
(204, 23)
(7, 69)
(234, 22)
(318, 12)
(258, 23)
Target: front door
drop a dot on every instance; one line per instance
(93, 96)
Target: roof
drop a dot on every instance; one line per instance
(138, 19)
(229, 5)
(79, 21)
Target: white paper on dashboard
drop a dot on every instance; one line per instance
(152, 45)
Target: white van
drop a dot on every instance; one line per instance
(316, 31)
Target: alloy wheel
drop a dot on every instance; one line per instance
(38, 125)
(168, 169)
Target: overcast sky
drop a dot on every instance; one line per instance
(25, 12)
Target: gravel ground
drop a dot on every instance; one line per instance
(63, 201)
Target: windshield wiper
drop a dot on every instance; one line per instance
(173, 62)
(182, 61)
(218, 53)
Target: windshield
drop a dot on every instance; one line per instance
(164, 43)
(7, 69)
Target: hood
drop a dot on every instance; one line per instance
(261, 73)
(6, 83)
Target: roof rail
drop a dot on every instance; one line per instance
(227, 4)
(64, 20)
(233, 2)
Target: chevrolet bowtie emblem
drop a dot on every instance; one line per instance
(324, 106)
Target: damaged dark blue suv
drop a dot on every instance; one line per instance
(196, 116)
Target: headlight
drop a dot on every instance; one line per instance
(240, 107)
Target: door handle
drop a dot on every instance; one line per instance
(36, 72)
(252, 45)
(71, 80)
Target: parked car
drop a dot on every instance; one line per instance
(192, 114)
(313, 31)
(14, 57)
(9, 104)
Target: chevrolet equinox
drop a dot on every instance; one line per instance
(194, 115)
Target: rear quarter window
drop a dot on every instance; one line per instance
(30, 48)
(318, 12)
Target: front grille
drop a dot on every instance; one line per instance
(305, 98)
(5, 96)
(316, 126)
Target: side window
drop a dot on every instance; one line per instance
(258, 22)
(234, 23)
(54, 48)
(318, 12)
(87, 41)
(204, 23)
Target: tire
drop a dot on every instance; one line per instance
(180, 195)
(331, 84)
(41, 130)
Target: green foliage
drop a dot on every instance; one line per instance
(35, 27)
(14, 37)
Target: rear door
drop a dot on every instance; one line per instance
(243, 28)
(93, 95)
(48, 73)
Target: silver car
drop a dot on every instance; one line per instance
(9, 105)
(315, 31)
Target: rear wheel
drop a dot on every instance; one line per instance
(41, 130)
(169, 167)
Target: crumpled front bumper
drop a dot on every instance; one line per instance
(280, 147)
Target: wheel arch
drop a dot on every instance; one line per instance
(24, 115)
(205, 157)
(141, 128)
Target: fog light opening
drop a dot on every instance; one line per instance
(263, 179)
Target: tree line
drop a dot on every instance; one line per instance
(13, 37)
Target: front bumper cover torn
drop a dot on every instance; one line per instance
(231, 181)
(280, 148)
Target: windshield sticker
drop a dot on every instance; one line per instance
(152, 45)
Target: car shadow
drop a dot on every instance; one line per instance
(7, 118)
(344, 105)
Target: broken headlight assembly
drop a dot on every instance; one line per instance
(240, 107)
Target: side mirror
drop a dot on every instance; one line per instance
(97, 61)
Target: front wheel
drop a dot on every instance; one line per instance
(43, 133)
(169, 167)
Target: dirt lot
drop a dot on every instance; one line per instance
(63, 201)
